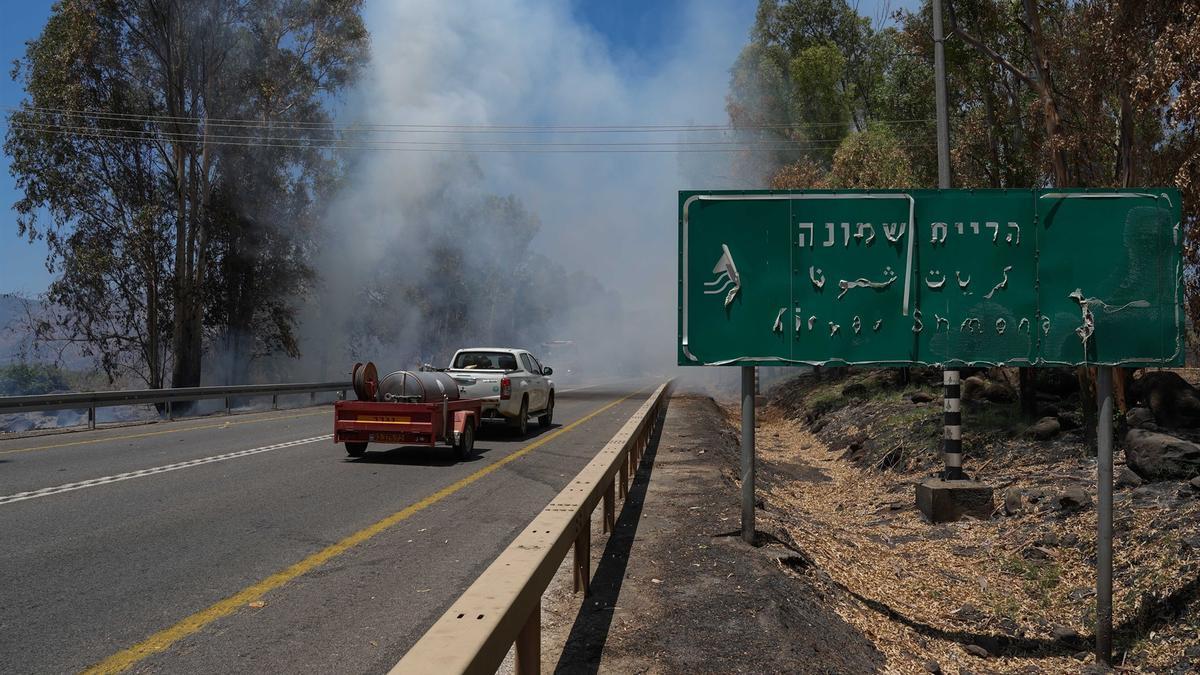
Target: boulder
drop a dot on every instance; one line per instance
(1157, 456)
(1137, 417)
(1069, 421)
(1073, 498)
(976, 388)
(1126, 478)
(1044, 429)
(921, 397)
(1174, 402)
(1014, 503)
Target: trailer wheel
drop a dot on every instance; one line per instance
(520, 425)
(466, 442)
(548, 417)
(355, 449)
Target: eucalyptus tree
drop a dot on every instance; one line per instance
(172, 153)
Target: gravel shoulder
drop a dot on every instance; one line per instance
(675, 590)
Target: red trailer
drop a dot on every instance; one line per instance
(411, 414)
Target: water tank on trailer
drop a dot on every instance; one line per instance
(417, 387)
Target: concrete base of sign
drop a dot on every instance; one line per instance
(943, 501)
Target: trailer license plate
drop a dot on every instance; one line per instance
(386, 438)
(386, 419)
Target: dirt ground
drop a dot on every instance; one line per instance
(676, 590)
(1014, 593)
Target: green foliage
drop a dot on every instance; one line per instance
(28, 379)
(165, 239)
(872, 159)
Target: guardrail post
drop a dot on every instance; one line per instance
(274, 401)
(92, 417)
(623, 483)
(610, 510)
(529, 644)
(227, 412)
(312, 397)
(583, 558)
(170, 410)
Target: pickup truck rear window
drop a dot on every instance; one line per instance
(484, 361)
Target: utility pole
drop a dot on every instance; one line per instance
(952, 408)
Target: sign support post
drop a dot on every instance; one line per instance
(952, 436)
(1104, 514)
(748, 454)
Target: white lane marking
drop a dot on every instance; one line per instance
(141, 473)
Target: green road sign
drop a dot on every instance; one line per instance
(950, 277)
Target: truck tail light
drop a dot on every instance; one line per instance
(505, 389)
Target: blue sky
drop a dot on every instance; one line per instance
(631, 28)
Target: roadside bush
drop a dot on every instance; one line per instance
(24, 379)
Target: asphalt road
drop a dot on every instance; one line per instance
(252, 543)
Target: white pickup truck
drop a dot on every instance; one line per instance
(511, 382)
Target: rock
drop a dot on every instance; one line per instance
(970, 388)
(976, 388)
(1073, 498)
(1126, 478)
(976, 650)
(1156, 456)
(1047, 539)
(1065, 634)
(1195, 483)
(1136, 417)
(1069, 539)
(1044, 429)
(1173, 401)
(1035, 553)
(1082, 656)
(1079, 594)
(1145, 492)
(932, 666)
(1014, 503)
(968, 613)
(1069, 421)
(923, 397)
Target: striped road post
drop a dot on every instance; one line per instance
(952, 439)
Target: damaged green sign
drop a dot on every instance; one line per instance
(931, 277)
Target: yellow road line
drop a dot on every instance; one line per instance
(148, 434)
(126, 658)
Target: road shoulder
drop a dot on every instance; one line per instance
(675, 590)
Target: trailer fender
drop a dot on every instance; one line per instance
(462, 418)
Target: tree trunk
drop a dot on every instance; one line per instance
(1045, 89)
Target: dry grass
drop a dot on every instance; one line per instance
(903, 581)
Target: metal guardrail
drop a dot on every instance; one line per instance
(504, 605)
(107, 399)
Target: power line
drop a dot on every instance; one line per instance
(149, 136)
(436, 128)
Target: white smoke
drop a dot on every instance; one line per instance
(529, 62)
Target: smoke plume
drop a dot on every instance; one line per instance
(477, 243)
